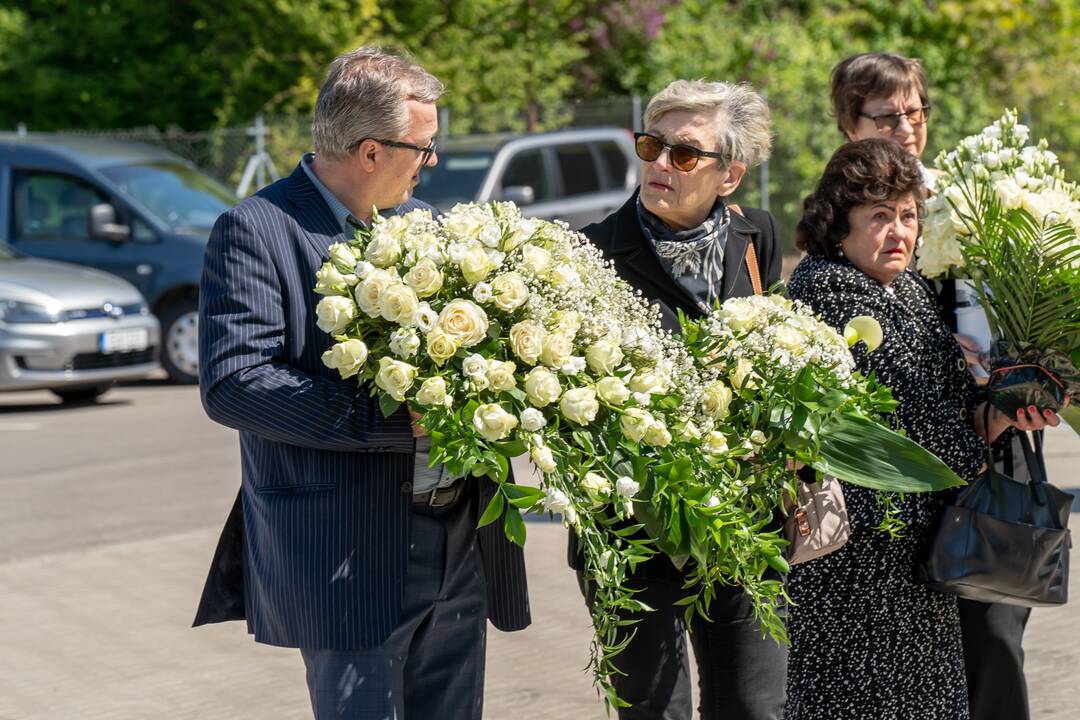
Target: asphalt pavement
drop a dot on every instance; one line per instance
(107, 525)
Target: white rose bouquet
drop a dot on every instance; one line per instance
(1006, 217)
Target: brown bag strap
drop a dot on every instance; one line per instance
(751, 257)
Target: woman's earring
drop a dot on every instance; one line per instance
(839, 250)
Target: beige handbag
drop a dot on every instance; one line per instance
(817, 522)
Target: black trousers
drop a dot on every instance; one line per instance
(994, 659)
(741, 675)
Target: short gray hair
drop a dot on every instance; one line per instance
(364, 96)
(742, 116)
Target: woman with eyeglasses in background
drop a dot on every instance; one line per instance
(881, 95)
(680, 243)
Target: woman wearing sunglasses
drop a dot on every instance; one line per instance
(680, 243)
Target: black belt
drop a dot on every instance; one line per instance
(440, 496)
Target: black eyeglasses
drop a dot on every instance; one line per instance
(891, 121)
(425, 152)
(683, 157)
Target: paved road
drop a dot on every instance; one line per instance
(109, 519)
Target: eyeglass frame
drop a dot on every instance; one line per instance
(698, 152)
(924, 109)
(425, 152)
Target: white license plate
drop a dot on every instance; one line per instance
(116, 341)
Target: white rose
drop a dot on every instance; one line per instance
(523, 230)
(426, 318)
(789, 337)
(567, 322)
(604, 355)
(395, 377)
(334, 313)
(501, 375)
(482, 293)
(717, 398)
(384, 249)
(369, 291)
(564, 274)
(740, 314)
(574, 365)
(646, 381)
(596, 484)
(491, 236)
(612, 390)
(465, 320)
(634, 423)
(542, 458)
(404, 342)
(579, 405)
(328, 281)
(1037, 205)
(758, 438)
(626, 487)
(363, 269)
(510, 291)
(398, 304)
(492, 422)
(742, 375)
(346, 357)
(557, 349)
(532, 420)
(556, 501)
(343, 257)
(527, 341)
(456, 252)
(441, 345)
(714, 443)
(424, 278)
(535, 260)
(476, 265)
(432, 392)
(657, 434)
(689, 432)
(542, 386)
(474, 366)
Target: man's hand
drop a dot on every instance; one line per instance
(417, 430)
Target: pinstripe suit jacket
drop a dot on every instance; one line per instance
(315, 552)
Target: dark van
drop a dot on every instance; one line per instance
(130, 209)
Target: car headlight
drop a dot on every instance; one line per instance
(13, 311)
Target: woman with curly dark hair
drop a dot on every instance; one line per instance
(867, 641)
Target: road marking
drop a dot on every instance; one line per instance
(19, 426)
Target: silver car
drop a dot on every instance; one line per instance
(70, 329)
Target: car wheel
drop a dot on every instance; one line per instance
(180, 341)
(82, 395)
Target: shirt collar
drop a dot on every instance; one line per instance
(349, 222)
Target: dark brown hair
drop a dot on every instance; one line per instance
(859, 173)
(873, 75)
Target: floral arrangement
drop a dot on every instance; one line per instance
(1006, 217)
(514, 336)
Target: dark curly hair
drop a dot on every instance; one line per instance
(859, 173)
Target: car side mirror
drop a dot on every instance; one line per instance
(103, 225)
(518, 194)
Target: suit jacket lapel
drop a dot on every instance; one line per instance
(313, 214)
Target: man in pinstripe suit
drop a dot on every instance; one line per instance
(340, 542)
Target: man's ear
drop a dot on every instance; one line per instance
(366, 154)
(733, 175)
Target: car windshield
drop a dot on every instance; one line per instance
(457, 177)
(179, 195)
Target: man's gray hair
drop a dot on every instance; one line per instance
(364, 96)
(742, 116)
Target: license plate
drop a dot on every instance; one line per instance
(116, 341)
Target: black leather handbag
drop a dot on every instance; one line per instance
(1004, 541)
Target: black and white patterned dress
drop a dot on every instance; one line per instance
(867, 640)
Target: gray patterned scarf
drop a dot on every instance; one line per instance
(693, 258)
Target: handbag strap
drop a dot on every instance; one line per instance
(751, 256)
(1036, 463)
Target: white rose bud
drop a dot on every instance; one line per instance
(483, 293)
(556, 501)
(527, 341)
(511, 292)
(384, 249)
(474, 366)
(604, 355)
(612, 390)
(369, 291)
(492, 422)
(343, 258)
(424, 278)
(532, 420)
(501, 375)
(646, 381)
(657, 434)
(626, 487)
(476, 265)
(465, 320)
(536, 260)
(579, 405)
(542, 386)
(328, 281)
(689, 432)
(334, 313)
(398, 304)
(596, 484)
(716, 400)
(758, 438)
(404, 342)
(395, 377)
(542, 458)
(346, 357)
(432, 392)
(441, 345)
(557, 350)
(634, 423)
(714, 443)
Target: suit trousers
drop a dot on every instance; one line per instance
(741, 675)
(432, 665)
